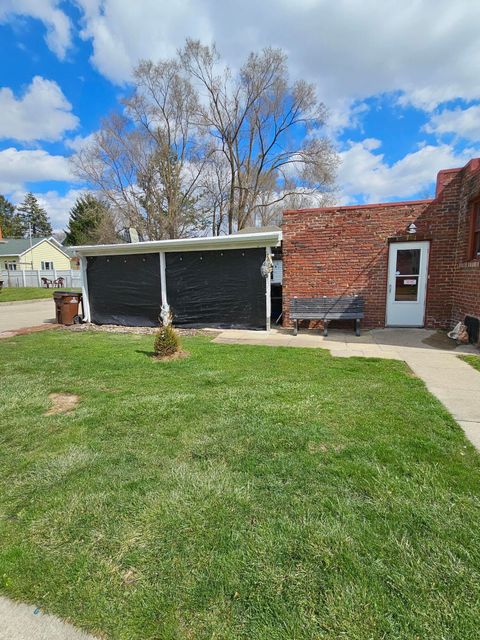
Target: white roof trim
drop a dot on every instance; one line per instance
(49, 240)
(240, 241)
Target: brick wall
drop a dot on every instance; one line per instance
(466, 296)
(344, 251)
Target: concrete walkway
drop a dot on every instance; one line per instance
(19, 315)
(25, 622)
(431, 355)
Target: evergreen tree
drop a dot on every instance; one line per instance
(10, 221)
(90, 222)
(32, 215)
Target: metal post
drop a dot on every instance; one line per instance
(85, 299)
(163, 278)
(268, 292)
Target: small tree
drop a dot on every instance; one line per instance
(10, 221)
(166, 342)
(33, 216)
(90, 222)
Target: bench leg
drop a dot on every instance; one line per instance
(295, 328)
(325, 328)
(357, 327)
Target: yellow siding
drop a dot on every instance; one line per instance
(4, 259)
(43, 252)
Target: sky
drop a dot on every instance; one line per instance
(400, 79)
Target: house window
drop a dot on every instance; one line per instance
(475, 234)
(47, 265)
(11, 266)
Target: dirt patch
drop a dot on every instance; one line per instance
(440, 340)
(62, 403)
(130, 577)
(179, 355)
(27, 330)
(410, 372)
(148, 331)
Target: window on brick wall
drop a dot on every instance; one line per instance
(475, 232)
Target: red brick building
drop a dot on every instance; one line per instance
(426, 275)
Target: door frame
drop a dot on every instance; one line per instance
(423, 286)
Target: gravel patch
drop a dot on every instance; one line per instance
(113, 328)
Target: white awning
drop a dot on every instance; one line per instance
(238, 241)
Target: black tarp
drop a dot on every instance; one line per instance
(217, 288)
(125, 290)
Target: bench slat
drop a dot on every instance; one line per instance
(326, 316)
(326, 309)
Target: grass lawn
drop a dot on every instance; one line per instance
(474, 361)
(12, 294)
(244, 492)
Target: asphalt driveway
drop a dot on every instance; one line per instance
(32, 313)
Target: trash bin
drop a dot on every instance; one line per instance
(66, 306)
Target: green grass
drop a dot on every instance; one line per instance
(12, 294)
(474, 361)
(242, 493)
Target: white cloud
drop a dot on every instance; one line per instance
(41, 113)
(114, 28)
(427, 51)
(79, 142)
(57, 23)
(57, 205)
(367, 173)
(19, 167)
(344, 114)
(464, 123)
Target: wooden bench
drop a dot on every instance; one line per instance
(326, 309)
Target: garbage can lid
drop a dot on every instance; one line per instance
(65, 294)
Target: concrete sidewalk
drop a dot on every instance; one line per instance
(431, 355)
(26, 622)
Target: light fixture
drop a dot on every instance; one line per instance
(412, 228)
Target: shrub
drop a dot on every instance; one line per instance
(166, 342)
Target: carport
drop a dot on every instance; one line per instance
(213, 281)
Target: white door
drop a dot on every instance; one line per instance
(407, 283)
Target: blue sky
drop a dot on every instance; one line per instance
(400, 79)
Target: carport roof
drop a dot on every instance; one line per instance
(238, 241)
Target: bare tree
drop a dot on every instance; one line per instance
(215, 189)
(268, 130)
(148, 161)
(271, 207)
(199, 147)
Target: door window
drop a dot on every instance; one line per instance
(406, 275)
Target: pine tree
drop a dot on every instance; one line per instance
(90, 222)
(10, 222)
(33, 216)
